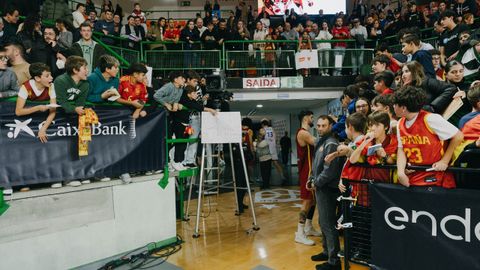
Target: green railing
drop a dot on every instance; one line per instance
(260, 59)
(183, 59)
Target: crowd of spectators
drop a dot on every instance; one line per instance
(444, 72)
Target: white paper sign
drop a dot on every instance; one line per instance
(225, 127)
(306, 59)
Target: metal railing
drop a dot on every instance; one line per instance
(183, 59)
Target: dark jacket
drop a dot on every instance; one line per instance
(439, 94)
(326, 174)
(97, 52)
(45, 53)
(109, 27)
(186, 35)
(183, 116)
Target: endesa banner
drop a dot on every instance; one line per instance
(425, 228)
(119, 145)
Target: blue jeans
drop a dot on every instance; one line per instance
(357, 59)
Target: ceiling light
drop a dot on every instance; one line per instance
(259, 106)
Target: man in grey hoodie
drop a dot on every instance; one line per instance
(324, 181)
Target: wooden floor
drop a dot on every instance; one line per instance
(227, 241)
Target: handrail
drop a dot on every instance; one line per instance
(418, 168)
(116, 55)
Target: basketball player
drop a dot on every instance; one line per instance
(305, 142)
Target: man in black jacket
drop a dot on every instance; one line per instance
(87, 48)
(49, 52)
(324, 180)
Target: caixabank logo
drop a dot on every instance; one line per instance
(19, 127)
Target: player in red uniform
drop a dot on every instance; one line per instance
(305, 142)
(422, 140)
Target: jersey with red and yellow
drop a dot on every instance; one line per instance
(132, 91)
(423, 140)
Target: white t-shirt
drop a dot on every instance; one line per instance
(272, 145)
(23, 93)
(78, 18)
(441, 127)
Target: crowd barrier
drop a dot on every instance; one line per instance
(235, 55)
(119, 145)
(388, 226)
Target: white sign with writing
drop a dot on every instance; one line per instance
(306, 59)
(261, 82)
(224, 127)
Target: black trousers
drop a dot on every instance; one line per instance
(240, 179)
(179, 130)
(266, 171)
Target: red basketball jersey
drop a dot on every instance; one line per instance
(423, 147)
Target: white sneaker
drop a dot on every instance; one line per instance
(73, 183)
(177, 166)
(7, 192)
(149, 173)
(56, 185)
(86, 181)
(302, 239)
(126, 179)
(158, 172)
(310, 231)
(105, 179)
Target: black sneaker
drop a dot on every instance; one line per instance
(341, 254)
(319, 257)
(327, 266)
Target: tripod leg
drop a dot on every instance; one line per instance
(255, 226)
(200, 193)
(234, 180)
(192, 180)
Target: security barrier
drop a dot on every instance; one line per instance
(357, 211)
(183, 59)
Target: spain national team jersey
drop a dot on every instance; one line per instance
(423, 147)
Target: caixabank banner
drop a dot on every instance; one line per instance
(425, 228)
(119, 145)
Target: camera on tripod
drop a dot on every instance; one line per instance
(219, 97)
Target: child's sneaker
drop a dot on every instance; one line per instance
(86, 181)
(126, 179)
(73, 183)
(177, 166)
(56, 185)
